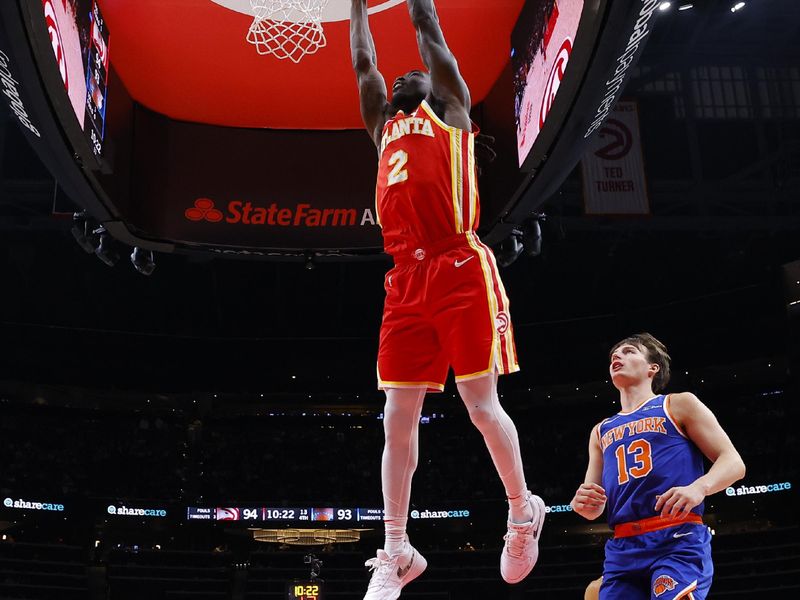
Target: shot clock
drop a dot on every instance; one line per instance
(305, 589)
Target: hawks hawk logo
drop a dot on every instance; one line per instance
(664, 583)
(502, 322)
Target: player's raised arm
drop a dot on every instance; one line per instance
(371, 85)
(590, 498)
(446, 81)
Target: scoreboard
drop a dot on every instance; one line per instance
(311, 514)
(284, 514)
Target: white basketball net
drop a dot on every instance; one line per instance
(287, 28)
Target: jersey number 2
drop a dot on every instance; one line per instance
(397, 161)
(642, 459)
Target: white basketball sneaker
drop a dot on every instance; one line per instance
(522, 544)
(391, 573)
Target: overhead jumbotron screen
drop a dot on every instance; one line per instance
(542, 43)
(79, 40)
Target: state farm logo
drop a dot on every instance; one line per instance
(203, 210)
(273, 215)
(502, 322)
(554, 80)
(618, 143)
(51, 21)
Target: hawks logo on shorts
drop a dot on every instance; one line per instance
(501, 322)
(664, 583)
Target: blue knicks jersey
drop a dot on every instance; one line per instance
(644, 455)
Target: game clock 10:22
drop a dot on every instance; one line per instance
(304, 590)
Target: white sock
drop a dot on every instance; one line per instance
(395, 531)
(519, 508)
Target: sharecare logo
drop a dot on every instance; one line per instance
(746, 490)
(51, 21)
(124, 511)
(29, 505)
(554, 81)
(439, 514)
(301, 215)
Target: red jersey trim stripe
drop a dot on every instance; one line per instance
(507, 338)
(503, 352)
(494, 356)
(463, 185)
(473, 186)
(457, 179)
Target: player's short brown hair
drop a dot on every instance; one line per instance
(656, 353)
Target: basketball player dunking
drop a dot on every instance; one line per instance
(646, 462)
(445, 304)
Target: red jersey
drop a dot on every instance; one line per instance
(427, 186)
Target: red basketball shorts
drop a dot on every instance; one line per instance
(445, 307)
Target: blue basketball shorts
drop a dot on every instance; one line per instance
(668, 564)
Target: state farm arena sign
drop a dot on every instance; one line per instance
(299, 215)
(255, 189)
(280, 225)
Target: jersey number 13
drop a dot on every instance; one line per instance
(640, 453)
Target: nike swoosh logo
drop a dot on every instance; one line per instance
(401, 571)
(461, 263)
(680, 535)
